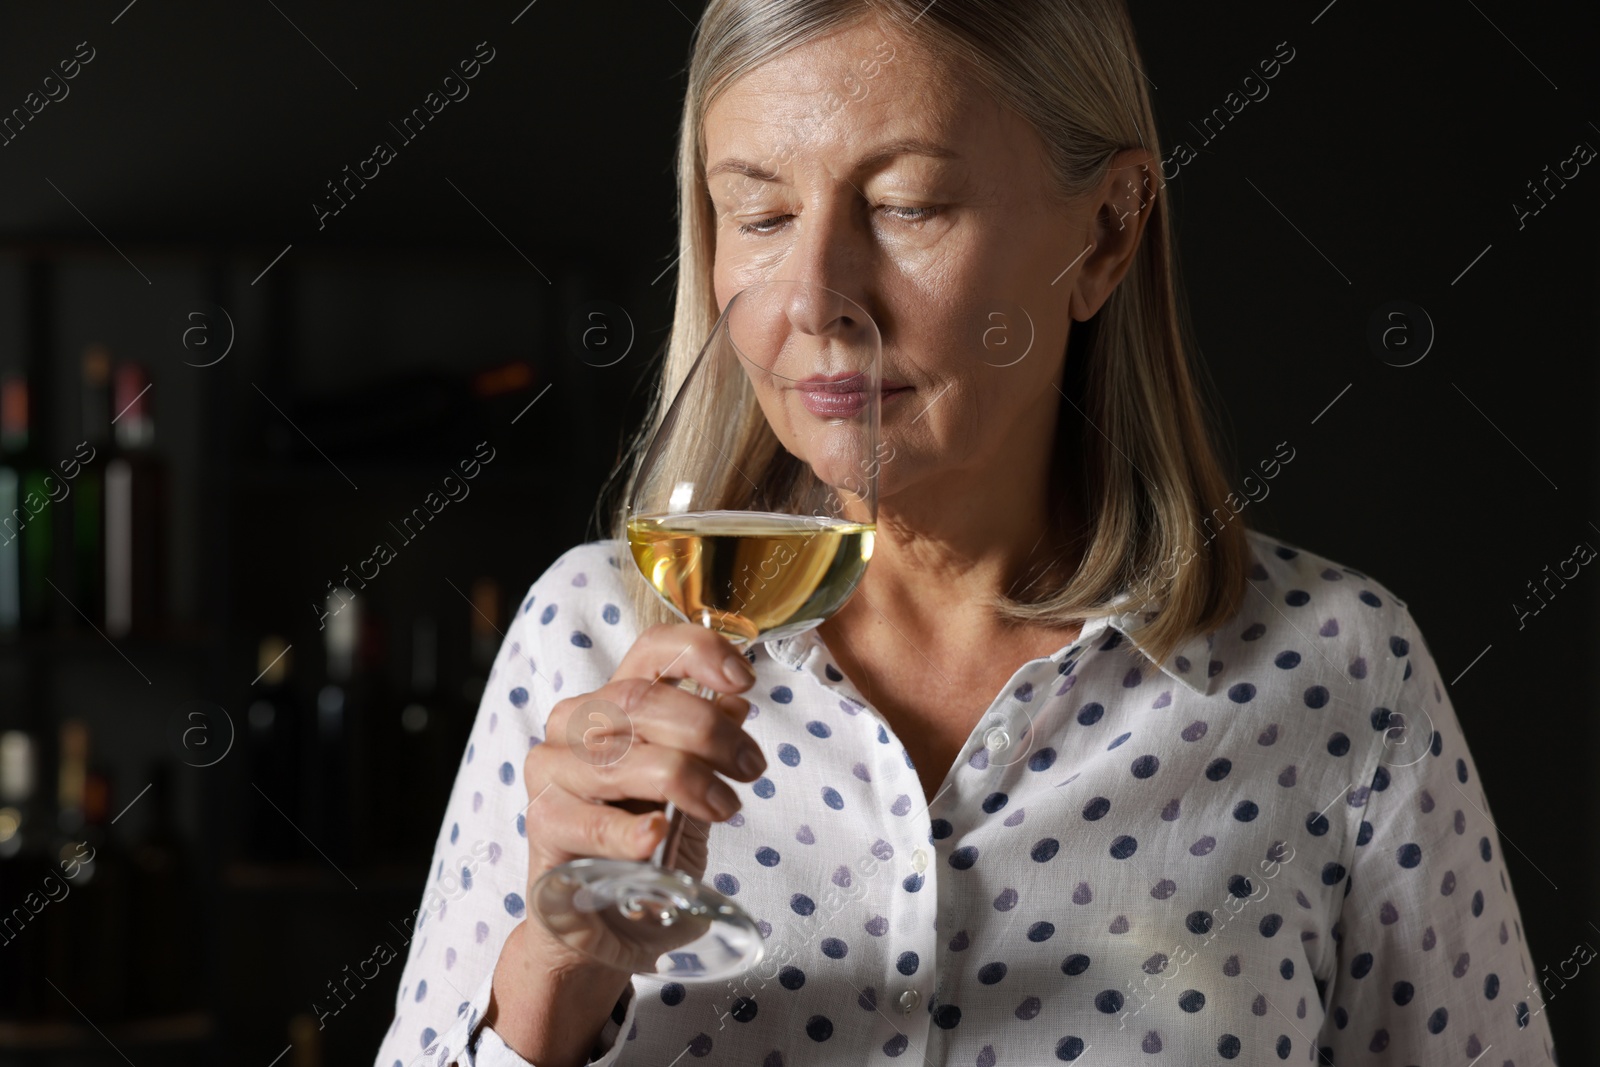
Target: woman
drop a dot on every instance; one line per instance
(1083, 764)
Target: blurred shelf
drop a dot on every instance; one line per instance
(407, 477)
(158, 1030)
(177, 640)
(246, 877)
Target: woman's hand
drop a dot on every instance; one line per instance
(611, 759)
(596, 786)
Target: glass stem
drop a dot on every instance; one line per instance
(666, 853)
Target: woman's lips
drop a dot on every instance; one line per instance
(842, 396)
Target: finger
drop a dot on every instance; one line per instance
(736, 707)
(673, 651)
(574, 827)
(693, 846)
(664, 714)
(646, 772)
(600, 727)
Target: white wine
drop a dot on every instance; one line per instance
(752, 575)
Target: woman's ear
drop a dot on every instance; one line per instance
(1117, 212)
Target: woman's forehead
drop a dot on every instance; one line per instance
(852, 83)
(760, 125)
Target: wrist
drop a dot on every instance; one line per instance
(547, 1003)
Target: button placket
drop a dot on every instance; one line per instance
(915, 861)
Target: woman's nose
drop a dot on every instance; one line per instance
(819, 310)
(830, 258)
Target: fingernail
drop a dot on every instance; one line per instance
(751, 761)
(738, 670)
(645, 829)
(724, 801)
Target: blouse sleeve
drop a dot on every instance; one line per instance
(1431, 965)
(478, 875)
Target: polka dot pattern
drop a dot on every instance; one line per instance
(1227, 856)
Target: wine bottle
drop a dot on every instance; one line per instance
(135, 510)
(104, 926)
(88, 493)
(485, 627)
(484, 637)
(19, 823)
(276, 734)
(70, 848)
(420, 748)
(25, 516)
(25, 869)
(10, 551)
(329, 794)
(163, 899)
(88, 938)
(370, 713)
(13, 519)
(305, 1038)
(424, 674)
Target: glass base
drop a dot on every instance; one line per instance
(646, 920)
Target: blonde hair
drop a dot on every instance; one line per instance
(1133, 454)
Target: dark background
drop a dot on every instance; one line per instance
(1383, 166)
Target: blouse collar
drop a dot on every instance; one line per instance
(1189, 664)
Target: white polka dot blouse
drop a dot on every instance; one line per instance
(1273, 847)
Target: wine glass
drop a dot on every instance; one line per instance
(753, 513)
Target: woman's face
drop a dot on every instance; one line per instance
(858, 163)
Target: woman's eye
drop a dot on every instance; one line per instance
(760, 227)
(911, 214)
(768, 226)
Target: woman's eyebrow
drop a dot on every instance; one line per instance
(877, 157)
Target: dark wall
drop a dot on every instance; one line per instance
(1389, 162)
(372, 349)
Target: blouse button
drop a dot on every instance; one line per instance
(919, 861)
(997, 740)
(908, 1000)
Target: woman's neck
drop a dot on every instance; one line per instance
(932, 582)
